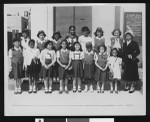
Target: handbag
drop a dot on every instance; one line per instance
(11, 75)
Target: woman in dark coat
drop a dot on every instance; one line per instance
(130, 52)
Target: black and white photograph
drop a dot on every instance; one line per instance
(74, 59)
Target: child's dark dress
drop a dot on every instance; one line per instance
(17, 63)
(56, 66)
(98, 42)
(64, 59)
(77, 64)
(71, 40)
(89, 65)
(102, 61)
(40, 46)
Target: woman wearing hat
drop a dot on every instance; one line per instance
(130, 52)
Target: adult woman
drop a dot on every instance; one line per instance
(130, 52)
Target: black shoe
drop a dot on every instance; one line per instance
(66, 91)
(131, 91)
(60, 91)
(102, 91)
(116, 92)
(126, 89)
(29, 92)
(74, 90)
(34, 91)
(79, 90)
(111, 91)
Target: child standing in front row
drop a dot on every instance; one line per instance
(114, 63)
(101, 66)
(89, 67)
(77, 65)
(33, 65)
(64, 61)
(48, 58)
(16, 57)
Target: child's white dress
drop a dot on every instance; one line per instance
(115, 63)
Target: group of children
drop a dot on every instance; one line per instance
(78, 58)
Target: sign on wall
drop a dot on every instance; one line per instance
(133, 22)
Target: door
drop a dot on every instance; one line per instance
(73, 15)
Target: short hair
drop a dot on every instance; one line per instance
(128, 33)
(116, 30)
(16, 40)
(31, 41)
(99, 29)
(48, 42)
(113, 50)
(72, 26)
(59, 35)
(102, 45)
(25, 31)
(75, 44)
(41, 31)
(88, 45)
(85, 28)
(64, 40)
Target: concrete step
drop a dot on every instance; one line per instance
(25, 85)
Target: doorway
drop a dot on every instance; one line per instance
(78, 16)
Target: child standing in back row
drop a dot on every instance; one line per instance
(99, 38)
(101, 66)
(85, 38)
(89, 67)
(77, 65)
(48, 58)
(16, 57)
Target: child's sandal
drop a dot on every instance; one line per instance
(79, 90)
(60, 91)
(102, 91)
(74, 90)
(50, 90)
(116, 91)
(19, 90)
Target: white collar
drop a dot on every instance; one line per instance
(102, 53)
(99, 38)
(17, 48)
(128, 42)
(63, 50)
(89, 52)
(41, 41)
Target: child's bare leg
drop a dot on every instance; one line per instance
(116, 86)
(19, 85)
(46, 84)
(50, 84)
(66, 85)
(102, 87)
(74, 84)
(16, 86)
(91, 85)
(79, 84)
(30, 85)
(111, 86)
(98, 86)
(61, 85)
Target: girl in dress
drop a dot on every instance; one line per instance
(24, 43)
(99, 38)
(116, 41)
(71, 37)
(114, 63)
(16, 57)
(85, 38)
(89, 67)
(56, 39)
(77, 65)
(48, 58)
(130, 52)
(32, 62)
(40, 45)
(101, 67)
(64, 61)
